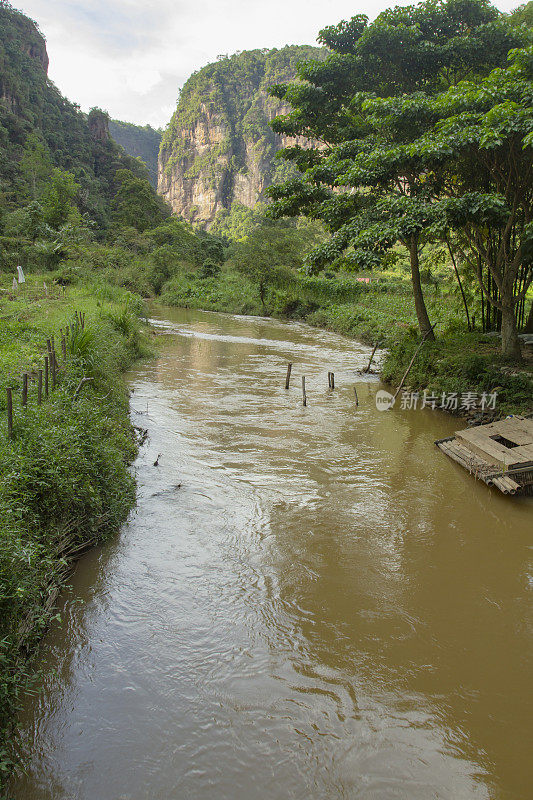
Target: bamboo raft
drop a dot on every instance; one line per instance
(500, 453)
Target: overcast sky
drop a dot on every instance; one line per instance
(131, 57)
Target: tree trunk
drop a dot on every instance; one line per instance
(510, 340)
(420, 306)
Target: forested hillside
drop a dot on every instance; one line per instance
(139, 141)
(44, 137)
(219, 148)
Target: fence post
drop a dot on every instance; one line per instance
(46, 376)
(40, 388)
(64, 347)
(25, 389)
(288, 378)
(9, 413)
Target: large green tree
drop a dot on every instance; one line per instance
(477, 155)
(268, 253)
(405, 51)
(135, 205)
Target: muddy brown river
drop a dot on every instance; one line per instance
(308, 604)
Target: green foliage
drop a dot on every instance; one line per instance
(135, 205)
(396, 101)
(523, 15)
(40, 129)
(229, 292)
(457, 363)
(268, 253)
(58, 199)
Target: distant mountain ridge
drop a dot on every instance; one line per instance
(139, 141)
(219, 148)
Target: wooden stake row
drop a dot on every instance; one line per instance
(331, 384)
(46, 376)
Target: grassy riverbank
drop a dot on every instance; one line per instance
(64, 477)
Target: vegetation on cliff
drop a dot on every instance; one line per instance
(139, 141)
(41, 131)
(221, 130)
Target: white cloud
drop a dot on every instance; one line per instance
(132, 57)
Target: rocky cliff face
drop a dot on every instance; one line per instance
(19, 34)
(219, 148)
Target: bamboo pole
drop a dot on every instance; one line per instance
(372, 356)
(408, 370)
(288, 378)
(356, 398)
(9, 412)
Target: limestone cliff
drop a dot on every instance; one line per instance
(19, 33)
(218, 148)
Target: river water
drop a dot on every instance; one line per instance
(309, 603)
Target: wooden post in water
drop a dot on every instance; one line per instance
(40, 387)
(356, 398)
(46, 376)
(288, 378)
(372, 357)
(25, 389)
(331, 380)
(9, 413)
(304, 396)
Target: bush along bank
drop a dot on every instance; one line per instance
(65, 482)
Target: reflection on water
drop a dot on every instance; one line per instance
(326, 607)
